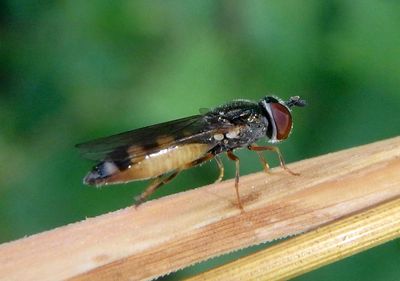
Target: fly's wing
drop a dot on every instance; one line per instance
(148, 140)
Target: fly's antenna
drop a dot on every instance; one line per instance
(295, 101)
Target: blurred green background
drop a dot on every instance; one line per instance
(71, 71)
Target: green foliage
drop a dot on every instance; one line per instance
(73, 71)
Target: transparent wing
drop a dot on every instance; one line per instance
(147, 140)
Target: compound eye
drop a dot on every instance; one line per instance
(283, 120)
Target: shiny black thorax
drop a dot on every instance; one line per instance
(246, 119)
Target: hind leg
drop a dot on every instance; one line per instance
(205, 158)
(157, 183)
(160, 181)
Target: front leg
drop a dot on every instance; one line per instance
(277, 151)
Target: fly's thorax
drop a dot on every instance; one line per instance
(248, 131)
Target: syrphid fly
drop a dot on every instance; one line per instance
(160, 152)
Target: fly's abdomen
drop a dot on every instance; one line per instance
(151, 166)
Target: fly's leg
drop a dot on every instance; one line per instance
(221, 168)
(199, 161)
(205, 158)
(157, 183)
(160, 181)
(233, 157)
(264, 162)
(277, 151)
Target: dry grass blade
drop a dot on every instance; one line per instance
(173, 232)
(314, 249)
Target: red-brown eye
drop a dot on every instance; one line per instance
(283, 120)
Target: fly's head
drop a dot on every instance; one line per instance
(278, 116)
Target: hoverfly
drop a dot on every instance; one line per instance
(160, 152)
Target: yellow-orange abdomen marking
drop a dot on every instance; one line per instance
(164, 161)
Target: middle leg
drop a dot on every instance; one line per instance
(221, 168)
(233, 157)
